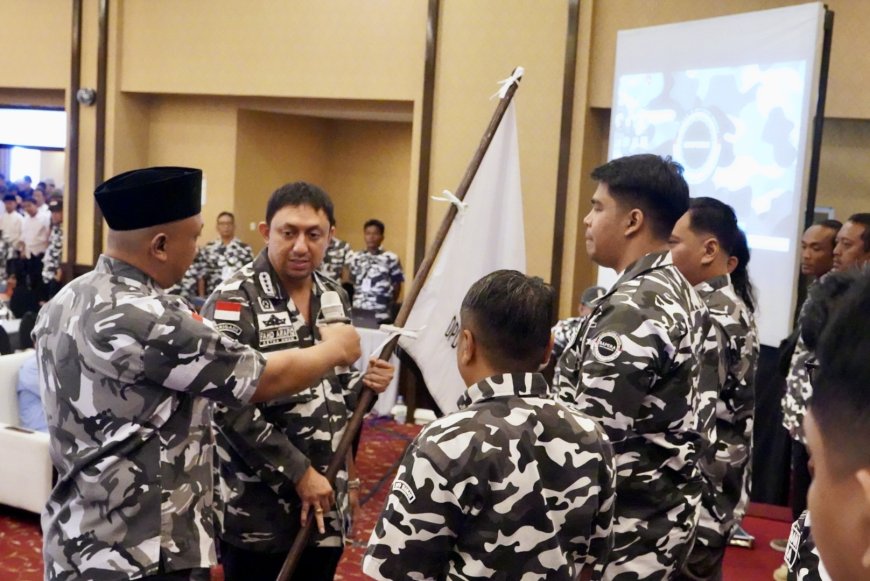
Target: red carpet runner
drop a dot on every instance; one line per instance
(380, 451)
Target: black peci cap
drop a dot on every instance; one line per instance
(151, 196)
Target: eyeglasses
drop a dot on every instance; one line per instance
(812, 367)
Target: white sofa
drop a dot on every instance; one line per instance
(25, 466)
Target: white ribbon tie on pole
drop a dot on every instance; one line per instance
(506, 83)
(450, 197)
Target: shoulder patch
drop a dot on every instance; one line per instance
(607, 346)
(266, 304)
(405, 490)
(227, 310)
(229, 328)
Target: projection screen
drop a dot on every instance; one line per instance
(732, 99)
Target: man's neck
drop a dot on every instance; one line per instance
(227, 240)
(637, 250)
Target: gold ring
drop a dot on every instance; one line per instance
(318, 510)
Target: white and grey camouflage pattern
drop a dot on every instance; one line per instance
(564, 332)
(217, 261)
(798, 392)
(264, 449)
(514, 485)
(635, 368)
(375, 277)
(726, 463)
(126, 373)
(54, 252)
(336, 259)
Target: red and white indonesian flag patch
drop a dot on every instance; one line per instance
(227, 311)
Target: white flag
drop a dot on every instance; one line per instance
(485, 237)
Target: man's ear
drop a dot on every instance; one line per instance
(863, 478)
(468, 346)
(732, 264)
(548, 352)
(711, 250)
(634, 222)
(158, 245)
(263, 228)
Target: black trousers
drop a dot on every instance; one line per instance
(200, 574)
(316, 564)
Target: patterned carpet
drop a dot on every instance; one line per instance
(380, 450)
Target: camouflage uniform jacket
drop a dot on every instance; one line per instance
(798, 392)
(634, 367)
(337, 257)
(126, 373)
(375, 278)
(726, 465)
(215, 262)
(801, 554)
(513, 485)
(563, 333)
(187, 286)
(264, 449)
(53, 254)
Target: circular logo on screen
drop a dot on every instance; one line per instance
(697, 146)
(606, 347)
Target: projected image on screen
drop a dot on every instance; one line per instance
(735, 130)
(731, 99)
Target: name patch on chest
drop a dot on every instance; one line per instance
(276, 329)
(278, 336)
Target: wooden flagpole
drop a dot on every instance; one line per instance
(367, 396)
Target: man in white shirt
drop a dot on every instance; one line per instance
(39, 198)
(11, 220)
(35, 231)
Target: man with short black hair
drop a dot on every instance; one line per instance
(271, 458)
(220, 258)
(635, 365)
(853, 243)
(837, 426)
(817, 248)
(514, 485)
(377, 276)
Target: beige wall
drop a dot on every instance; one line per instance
(368, 176)
(216, 93)
(844, 179)
(273, 149)
(35, 43)
(51, 165)
(302, 48)
(197, 132)
(480, 43)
